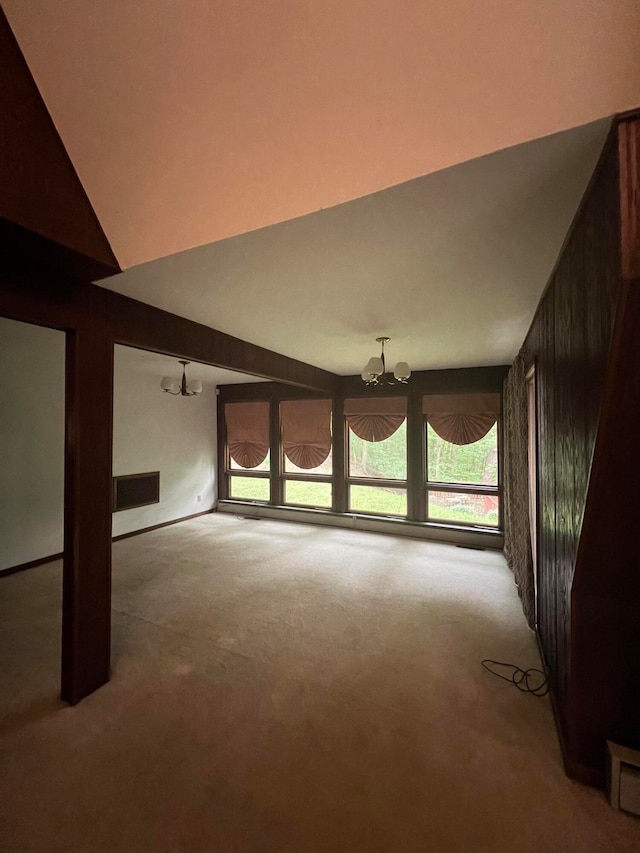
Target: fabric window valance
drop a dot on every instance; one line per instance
(247, 432)
(375, 418)
(306, 431)
(461, 418)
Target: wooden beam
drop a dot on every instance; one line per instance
(65, 304)
(136, 324)
(246, 391)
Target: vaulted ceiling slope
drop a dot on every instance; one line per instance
(189, 122)
(450, 265)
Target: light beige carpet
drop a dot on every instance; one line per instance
(283, 687)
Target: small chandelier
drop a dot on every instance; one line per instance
(172, 386)
(375, 372)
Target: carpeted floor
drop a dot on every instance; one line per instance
(284, 687)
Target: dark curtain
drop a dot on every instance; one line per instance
(517, 533)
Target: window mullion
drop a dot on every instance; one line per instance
(466, 488)
(275, 444)
(416, 455)
(340, 455)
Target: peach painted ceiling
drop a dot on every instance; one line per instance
(190, 121)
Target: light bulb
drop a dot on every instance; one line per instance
(169, 384)
(402, 371)
(375, 366)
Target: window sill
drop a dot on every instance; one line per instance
(479, 537)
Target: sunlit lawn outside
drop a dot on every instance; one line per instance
(463, 509)
(377, 500)
(307, 494)
(366, 499)
(304, 493)
(250, 488)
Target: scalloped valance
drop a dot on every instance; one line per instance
(375, 418)
(461, 418)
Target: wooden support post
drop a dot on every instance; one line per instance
(86, 614)
(223, 479)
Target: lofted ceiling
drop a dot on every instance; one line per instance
(308, 175)
(451, 266)
(190, 121)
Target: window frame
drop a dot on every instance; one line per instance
(416, 486)
(285, 476)
(242, 472)
(380, 482)
(462, 488)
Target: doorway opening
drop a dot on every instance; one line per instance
(32, 437)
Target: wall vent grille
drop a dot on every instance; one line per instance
(134, 490)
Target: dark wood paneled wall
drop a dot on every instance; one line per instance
(605, 628)
(629, 148)
(605, 661)
(581, 355)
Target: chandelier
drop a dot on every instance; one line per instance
(184, 388)
(375, 373)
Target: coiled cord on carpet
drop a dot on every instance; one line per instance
(524, 679)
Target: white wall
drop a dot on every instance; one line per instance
(32, 361)
(154, 431)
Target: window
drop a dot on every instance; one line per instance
(249, 489)
(282, 452)
(379, 500)
(306, 453)
(462, 479)
(377, 455)
(248, 461)
(307, 493)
